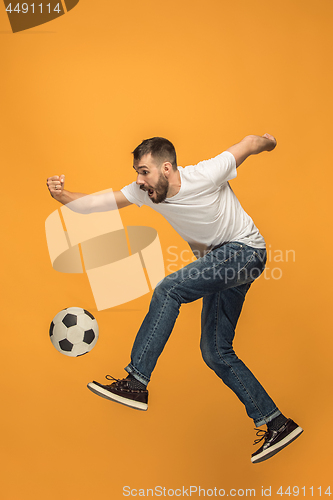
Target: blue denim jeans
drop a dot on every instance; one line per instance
(222, 278)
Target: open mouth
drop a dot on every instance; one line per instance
(149, 190)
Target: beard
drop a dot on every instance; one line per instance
(161, 189)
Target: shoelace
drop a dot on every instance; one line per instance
(261, 434)
(126, 384)
(109, 377)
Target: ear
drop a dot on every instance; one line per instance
(166, 169)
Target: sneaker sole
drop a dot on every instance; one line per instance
(266, 454)
(104, 393)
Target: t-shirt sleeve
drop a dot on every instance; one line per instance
(134, 194)
(222, 168)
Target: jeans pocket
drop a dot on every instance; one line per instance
(253, 267)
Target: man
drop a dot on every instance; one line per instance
(201, 206)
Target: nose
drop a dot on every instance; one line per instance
(139, 180)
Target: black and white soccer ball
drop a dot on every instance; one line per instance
(74, 331)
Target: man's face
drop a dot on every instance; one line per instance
(151, 178)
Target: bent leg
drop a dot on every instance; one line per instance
(223, 268)
(220, 314)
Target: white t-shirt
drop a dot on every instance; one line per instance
(205, 211)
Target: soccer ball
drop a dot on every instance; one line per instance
(74, 331)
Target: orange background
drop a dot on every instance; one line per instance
(77, 95)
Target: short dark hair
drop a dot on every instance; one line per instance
(161, 149)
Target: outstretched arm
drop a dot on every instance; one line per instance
(252, 145)
(97, 203)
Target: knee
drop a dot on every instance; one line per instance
(162, 288)
(217, 359)
(208, 354)
(169, 287)
(165, 293)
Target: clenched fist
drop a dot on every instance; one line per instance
(272, 140)
(56, 185)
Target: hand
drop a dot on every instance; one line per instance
(271, 145)
(56, 185)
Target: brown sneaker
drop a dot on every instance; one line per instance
(121, 391)
(275, 441)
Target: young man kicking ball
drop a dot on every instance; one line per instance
(201, 206)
